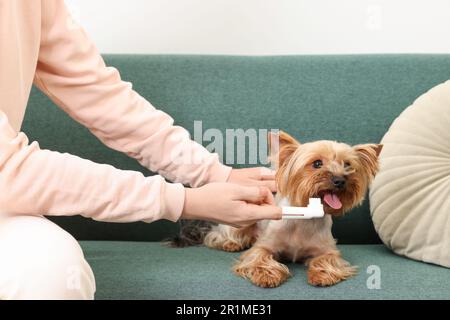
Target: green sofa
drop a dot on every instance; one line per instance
(348, 98)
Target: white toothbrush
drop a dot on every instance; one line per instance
(313, 210)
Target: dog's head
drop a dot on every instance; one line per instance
(337, 173)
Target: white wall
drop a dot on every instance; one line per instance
(264, 27)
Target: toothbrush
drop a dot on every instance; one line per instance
(313, 210)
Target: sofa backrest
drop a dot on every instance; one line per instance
(353, 99)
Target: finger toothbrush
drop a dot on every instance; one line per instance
(313, 210)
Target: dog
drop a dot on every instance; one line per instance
(336, 173)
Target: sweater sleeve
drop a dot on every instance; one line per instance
(73, 74)
(42, 182)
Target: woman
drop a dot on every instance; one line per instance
(41, 44)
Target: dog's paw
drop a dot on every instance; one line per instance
(216, 240)
(231, 246)
(268, 278)
(324, 278)
(264, 277)
(329, 269)
(321, 279)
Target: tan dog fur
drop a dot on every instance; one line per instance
(308, 241)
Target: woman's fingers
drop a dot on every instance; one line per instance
(266, 174)
(231, 204)
(263, 212)
(267, 196)
(270, 184)
(258, 202)
(260, 194)
(267, 179)
(257, 176)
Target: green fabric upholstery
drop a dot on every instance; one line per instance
(127, 270)
(348, 98)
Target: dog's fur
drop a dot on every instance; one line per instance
(308, 241)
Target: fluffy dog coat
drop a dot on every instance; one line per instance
(335, 172)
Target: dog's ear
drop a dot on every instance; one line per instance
(281, 147)
(368, 157)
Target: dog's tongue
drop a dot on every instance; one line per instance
(332, 200)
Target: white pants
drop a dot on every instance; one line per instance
(39, 260)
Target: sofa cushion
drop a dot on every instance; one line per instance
(350, 98)
(138, 270)
(410, 197)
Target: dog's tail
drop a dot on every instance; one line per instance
(192, 233)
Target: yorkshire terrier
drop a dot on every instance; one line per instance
(337, 173)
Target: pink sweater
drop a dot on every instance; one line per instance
(41, 44)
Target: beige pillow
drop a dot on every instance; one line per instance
(410, 197)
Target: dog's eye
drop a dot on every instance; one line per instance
(318, 164)
(347, 165)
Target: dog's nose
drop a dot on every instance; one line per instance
(338, 182)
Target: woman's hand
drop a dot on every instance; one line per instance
(254, 177)
(231, 204)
